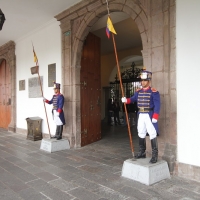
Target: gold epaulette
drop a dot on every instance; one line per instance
(153, 90)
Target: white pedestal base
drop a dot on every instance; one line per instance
(52, 145)
(144, 172)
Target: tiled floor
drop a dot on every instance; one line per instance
(92, 172)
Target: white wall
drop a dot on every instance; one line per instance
(188, 80)
(47, 45)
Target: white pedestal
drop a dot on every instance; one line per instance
(144, 172)
(52, 145)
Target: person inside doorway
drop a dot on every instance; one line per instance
(110, 111)
(148, 101)
(116, 109)
(133, 113)
(57, 111)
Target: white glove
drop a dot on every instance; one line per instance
(44, 99)
(57, 114)
(154, 120)
(124, 100)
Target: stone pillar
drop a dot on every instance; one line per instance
(12, 64)
(67, 80)
(145, 58)
(163, 79)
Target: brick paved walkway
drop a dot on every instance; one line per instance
(89, 173)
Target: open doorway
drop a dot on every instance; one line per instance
(129, 47)
(79, 27)
(94, 96)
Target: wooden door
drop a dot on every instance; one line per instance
(5, 95)
(90, 90)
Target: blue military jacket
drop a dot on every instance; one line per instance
(58, 103)
(148, 101)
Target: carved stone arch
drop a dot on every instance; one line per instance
(7, 52)
(91, 18)
(79, 21)
(156, 24)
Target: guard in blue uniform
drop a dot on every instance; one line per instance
(148, 102)
(57, 111)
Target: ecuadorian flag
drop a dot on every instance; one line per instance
(35, 57)
(110, 28)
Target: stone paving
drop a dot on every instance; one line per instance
(92, 172)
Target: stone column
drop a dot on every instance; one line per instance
(12, 64)
(145, 58)
(67, 80)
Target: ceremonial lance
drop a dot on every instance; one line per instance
(35, 70)
(110, 28)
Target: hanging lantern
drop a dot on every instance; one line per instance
(2, 19)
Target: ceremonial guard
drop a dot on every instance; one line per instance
(148, 102)
(57, 111)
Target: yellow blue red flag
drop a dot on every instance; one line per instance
(110, 28)
(35, 57)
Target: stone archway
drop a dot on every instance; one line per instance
(7, 52)
(156, 24)
(79, 26)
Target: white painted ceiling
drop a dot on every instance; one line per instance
(24, 16)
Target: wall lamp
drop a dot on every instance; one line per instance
(2, 19)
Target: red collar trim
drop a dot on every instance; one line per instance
(145, 89)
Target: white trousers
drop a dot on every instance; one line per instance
(145, 126)
(56, 118)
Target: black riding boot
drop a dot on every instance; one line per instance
(60, 132)
(154, 146)
(142, 149)
(57, 132)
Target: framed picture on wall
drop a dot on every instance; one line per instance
(51, 74)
